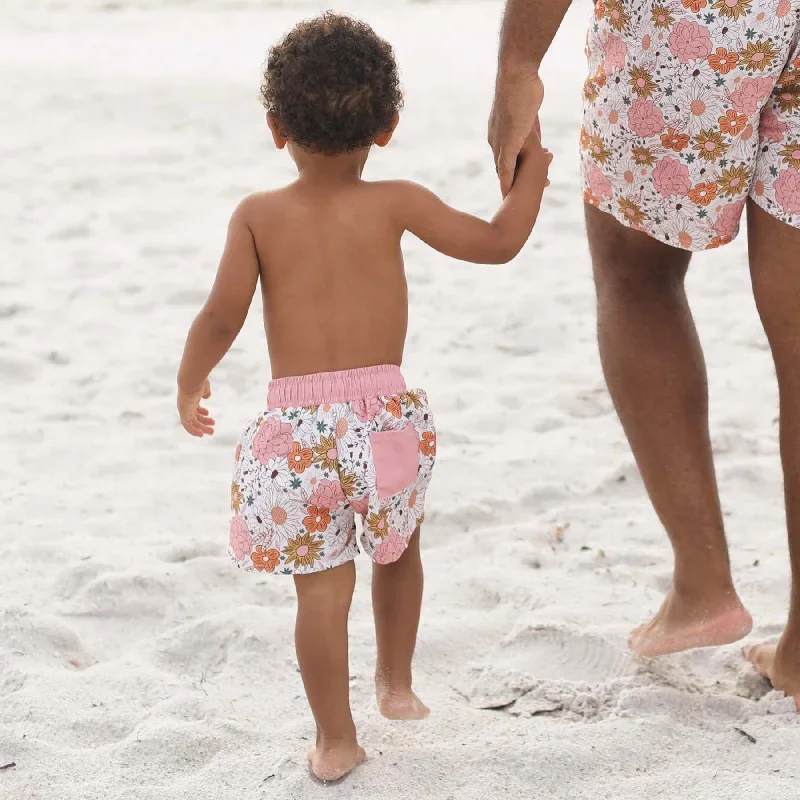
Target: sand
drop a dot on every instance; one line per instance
(135, 662)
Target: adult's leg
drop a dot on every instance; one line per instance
(654, 367)
(775, 267)
(323, 605)
(396, 601)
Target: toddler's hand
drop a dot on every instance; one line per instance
(194, 417)
(532, 150)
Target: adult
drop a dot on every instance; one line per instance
(691, 118)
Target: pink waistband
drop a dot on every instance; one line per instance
(335, 387)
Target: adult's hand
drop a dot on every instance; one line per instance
(515, 113)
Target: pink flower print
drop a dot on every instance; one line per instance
(728, 221)
(327, 494)
(598, 183)
(390, 549)
(367, 409)
(616, 52)
(645, 118)
(671, 178)
(747, 99)
(240, 538)
(771, 127)
(787, 190)
(360, 506)
(689, 41)
(272, 439)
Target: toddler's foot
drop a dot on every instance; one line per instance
(680, 625)
(775, 663)
(401, 704)
(333, 762)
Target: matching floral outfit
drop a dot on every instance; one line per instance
(331, 446)
(690, 107)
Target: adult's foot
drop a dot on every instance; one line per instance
(333, 762)
(781, 670)
(682, 625)
(400, 704)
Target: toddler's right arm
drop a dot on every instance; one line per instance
(470, 238)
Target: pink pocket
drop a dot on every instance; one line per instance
(396, 458)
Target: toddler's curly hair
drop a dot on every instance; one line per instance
(333, 84)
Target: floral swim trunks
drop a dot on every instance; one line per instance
(328, 447)
(690, 107)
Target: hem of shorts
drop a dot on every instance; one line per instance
(624, 222)
(323, 568)
(760, 203)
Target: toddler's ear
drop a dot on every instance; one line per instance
(384, 137)
(278, 137)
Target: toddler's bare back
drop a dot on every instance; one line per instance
(332, 277)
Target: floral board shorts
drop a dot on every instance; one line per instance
(690, 107)
(328, 447)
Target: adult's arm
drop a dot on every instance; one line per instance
(529, 27)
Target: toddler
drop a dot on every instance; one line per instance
(342, 434)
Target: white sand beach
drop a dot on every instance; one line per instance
(136, 663)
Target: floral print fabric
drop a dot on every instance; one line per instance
(691, 105)
(302, 474)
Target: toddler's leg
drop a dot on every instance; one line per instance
(323, 604)
(396, 600)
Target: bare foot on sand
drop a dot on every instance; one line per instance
(783, 673)
(401, 704)
(683, 626)
(333, 763)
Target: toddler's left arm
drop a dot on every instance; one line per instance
(218, 324)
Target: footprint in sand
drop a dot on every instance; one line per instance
(549, 668)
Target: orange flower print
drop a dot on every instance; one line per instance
(733, 9)
(236, 497)
(704, 193)
(326, 454)
(791, 154)
(695, 6)
(598, 149)
(600, 9)
(672, 140)
(600, 76)
(632, 211)
(378, 524)
(395, 407)
(412, 398)
(662, 17)
(641, 82)
(758, 188)
(265, 560)
(759, 55)
(732, 123)
(427, 444)
(299, 458)
(644, 156)
(237, 453)
(710, 145)
(617, 15)
(317, 520)
(720, 241)
(723, 61)
(734, 181)
(590, 90)
(789, 98)
(304, 550)
(588, 197)
(348, 481)
(584, 140)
